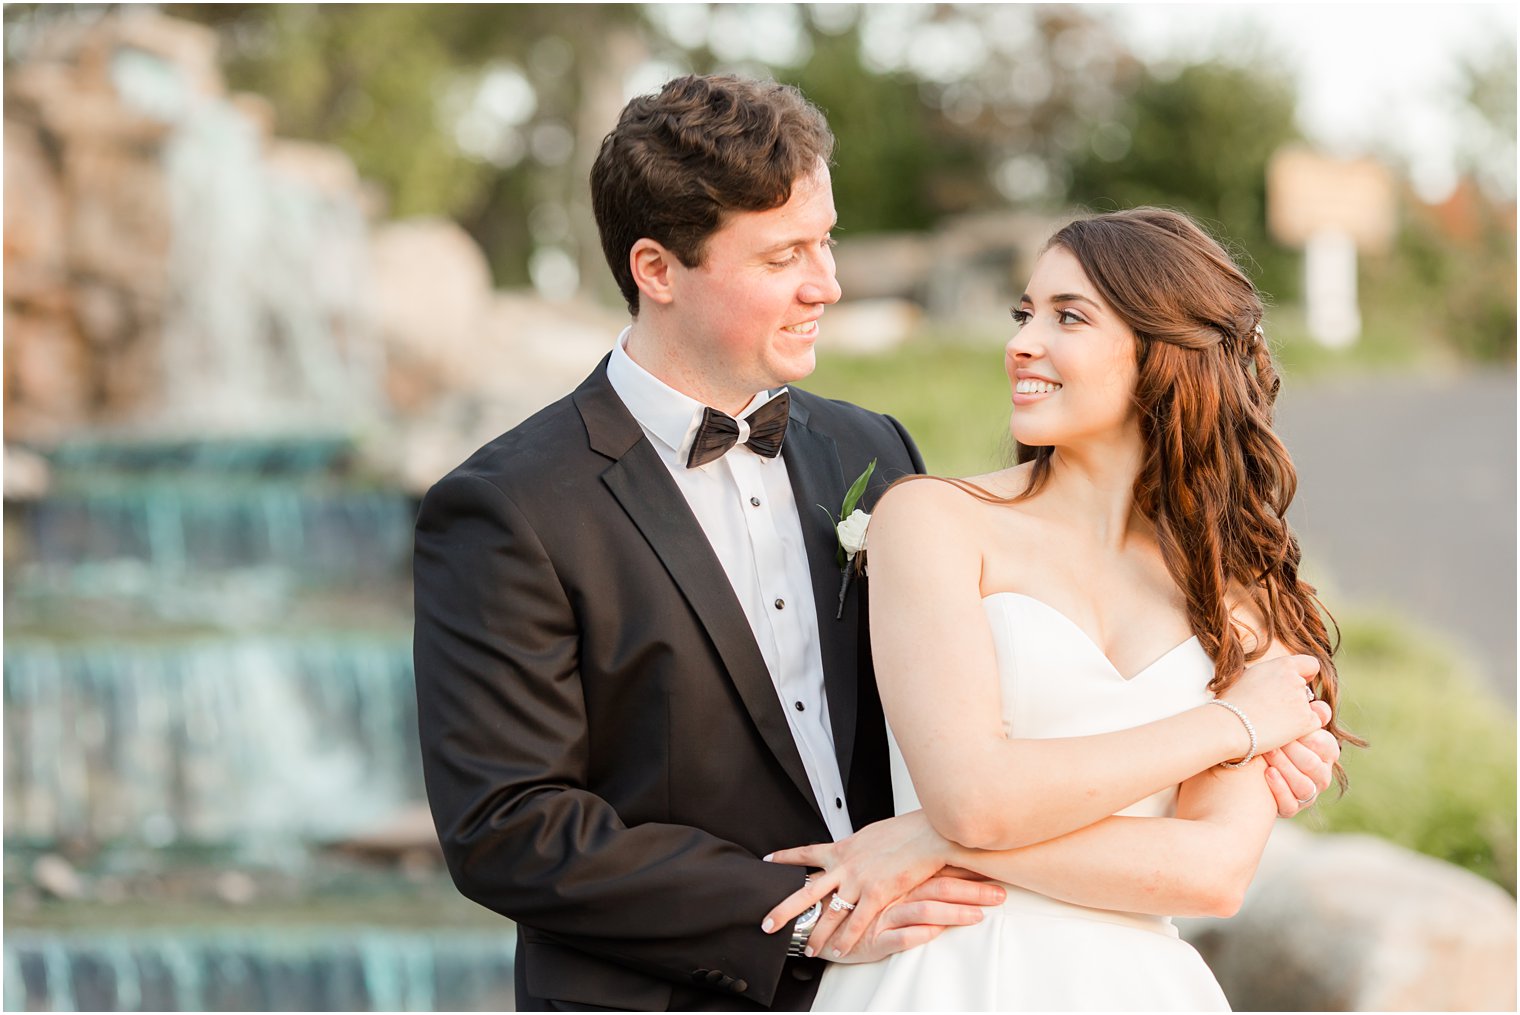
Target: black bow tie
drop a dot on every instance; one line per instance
(720, 431)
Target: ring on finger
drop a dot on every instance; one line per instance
(839, 905)
(1306, 800)
(1308, 692)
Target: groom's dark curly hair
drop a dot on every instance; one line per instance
(702, 146)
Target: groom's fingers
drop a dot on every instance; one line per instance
(1287, 803)
(968, 891)
(1313, 765)
(1323, 744)
(892, 941)
(948, 895)
(1290, 769)
(936, 914)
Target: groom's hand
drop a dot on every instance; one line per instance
(893, 864)
(1301, 770)
(951, 900)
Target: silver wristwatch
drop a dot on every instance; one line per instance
(803, 929)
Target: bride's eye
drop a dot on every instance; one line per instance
(1070, 317)
(1020, 316)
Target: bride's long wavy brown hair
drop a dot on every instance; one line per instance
(1216, 481)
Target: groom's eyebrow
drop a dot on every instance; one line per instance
(789, 244)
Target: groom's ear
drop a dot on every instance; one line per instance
(652, 265)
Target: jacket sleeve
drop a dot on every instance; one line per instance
(505, 755)
(912, 448)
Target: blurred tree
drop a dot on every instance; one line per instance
(470, 111)
(1198, 141)
(1454, 266)
(1488, 150)
(1012, 90)
(897, 167)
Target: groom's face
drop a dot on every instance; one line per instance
(750, 311)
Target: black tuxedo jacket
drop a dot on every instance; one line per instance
(605, 753)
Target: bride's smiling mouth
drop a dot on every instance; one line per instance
(1028, 390)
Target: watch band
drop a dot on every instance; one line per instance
(802, 929)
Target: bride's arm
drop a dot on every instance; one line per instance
(1198, 863)
(937, 671)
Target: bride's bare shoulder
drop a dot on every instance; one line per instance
(938, 499)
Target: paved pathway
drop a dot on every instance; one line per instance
(1407, 500)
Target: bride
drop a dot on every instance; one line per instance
(1048, 639)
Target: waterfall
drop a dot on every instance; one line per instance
(207, 738)
(338, 968)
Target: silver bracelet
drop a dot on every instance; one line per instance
(1250, 732)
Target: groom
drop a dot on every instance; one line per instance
(635, 676)
(632, 681)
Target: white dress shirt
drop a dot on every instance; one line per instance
(745, 506)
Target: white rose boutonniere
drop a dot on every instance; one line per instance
(850, 530)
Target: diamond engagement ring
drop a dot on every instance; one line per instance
(1308, 692)
(838, 905)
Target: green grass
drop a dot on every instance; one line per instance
(1439, 774)
(952, 397)
(1391, 340)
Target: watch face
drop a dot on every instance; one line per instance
(809, 917)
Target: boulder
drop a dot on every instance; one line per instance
(1355, 923)
(34, 221)
(27, 474)
(432, 289)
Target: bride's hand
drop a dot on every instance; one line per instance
(1272, 695)
(874, 868)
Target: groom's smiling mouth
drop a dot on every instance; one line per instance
(807, 329)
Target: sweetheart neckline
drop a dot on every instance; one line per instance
(1097, 649)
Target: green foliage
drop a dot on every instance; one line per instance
(1453, 271)
(367, 78)
(895, 164)
(1200, 142)
(1439, 775)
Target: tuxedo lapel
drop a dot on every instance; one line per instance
(640, 482)
(818, 483)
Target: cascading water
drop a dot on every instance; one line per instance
(209, 714)
(207, 672)
(341, 969)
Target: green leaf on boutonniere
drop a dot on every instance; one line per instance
(856, 491)
(855, 520)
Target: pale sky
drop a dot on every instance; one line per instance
(1372, 77)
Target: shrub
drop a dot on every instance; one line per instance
(1439, 773)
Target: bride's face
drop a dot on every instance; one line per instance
(1071, 360)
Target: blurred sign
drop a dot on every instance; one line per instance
(1309, 193)
(1331, 209)
(1330, 306)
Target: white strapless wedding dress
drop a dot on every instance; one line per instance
(1035, 953)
